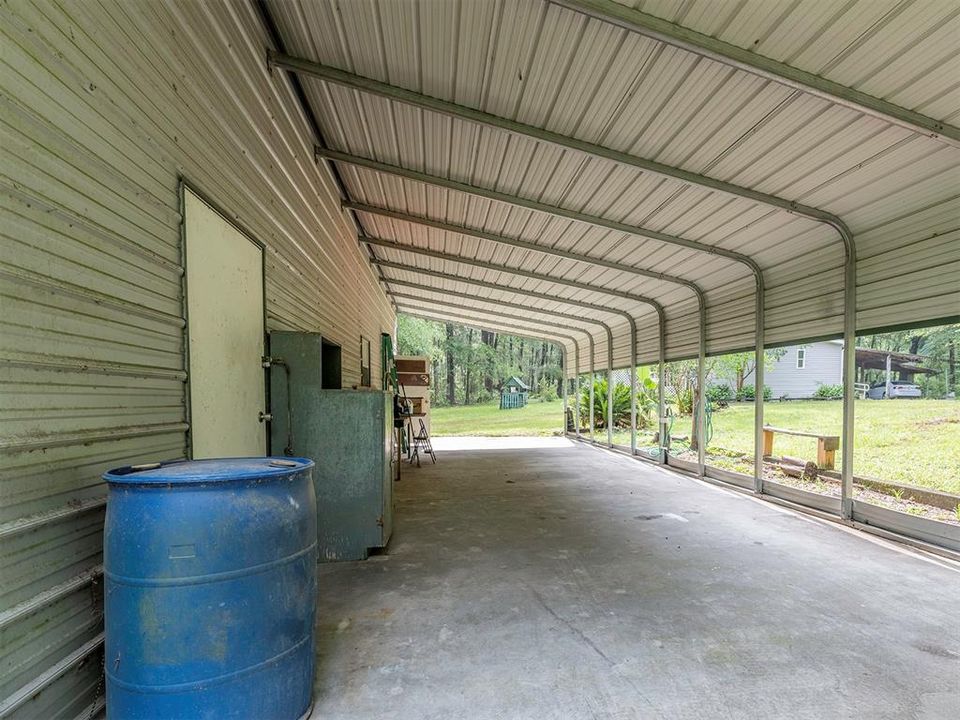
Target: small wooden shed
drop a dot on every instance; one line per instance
(513, 393)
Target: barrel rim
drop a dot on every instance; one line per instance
(154, 475)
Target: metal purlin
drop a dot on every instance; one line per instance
(516, 306)
(542, 296)
(417, 176)
(722, 52)
(750, 263)
(605, 327)
(506, 328)
(402, 247)
(546, 250)
(459, 317)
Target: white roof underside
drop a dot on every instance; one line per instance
(546, 66)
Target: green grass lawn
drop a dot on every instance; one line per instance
(537, 418)
(911, 441)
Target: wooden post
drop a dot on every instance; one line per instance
(767, 442)
(826, 450)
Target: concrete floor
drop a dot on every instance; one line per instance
(569, 582)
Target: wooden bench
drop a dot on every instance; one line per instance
(827, 445)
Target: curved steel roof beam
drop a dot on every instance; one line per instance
(401, 247)
(500, 327)
(499, 303)
(453, 307)
(513, 318)
(661, 320)
(692, 41)
(495, 286)
(519, 243)
(515, 200)
(444, 107)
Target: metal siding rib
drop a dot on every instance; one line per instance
(843, 78)
(102, 108)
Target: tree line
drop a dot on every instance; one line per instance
(469, 365)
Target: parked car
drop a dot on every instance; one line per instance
(898, 389)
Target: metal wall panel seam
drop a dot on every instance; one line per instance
(85, 366)
(97, 299)
(239, 174)
(102, 234)
(32, 522)
(49, 596)
(24, 694)
(341, 326)
(127, 431)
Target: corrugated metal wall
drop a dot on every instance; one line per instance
(103, 109)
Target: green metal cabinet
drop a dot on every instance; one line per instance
(348, 434)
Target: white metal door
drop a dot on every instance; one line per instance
(225, 331)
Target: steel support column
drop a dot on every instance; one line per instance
(576, 394)
(701, 407)
(610, 395)
(758, 384)
(662, 413)
(633, 401)
(593, 376)
(849, 371)
(563, 376)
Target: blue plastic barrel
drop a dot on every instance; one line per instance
(211, 580)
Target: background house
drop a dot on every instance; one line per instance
(803, 368)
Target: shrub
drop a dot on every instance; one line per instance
(719, 393)
(748, 392)
(684, 400)
(830, 392)
(621, 404)
(547, 390)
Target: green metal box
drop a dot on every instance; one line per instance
(348, 434)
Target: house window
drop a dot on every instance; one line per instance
(364, 362)
(801, 358)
